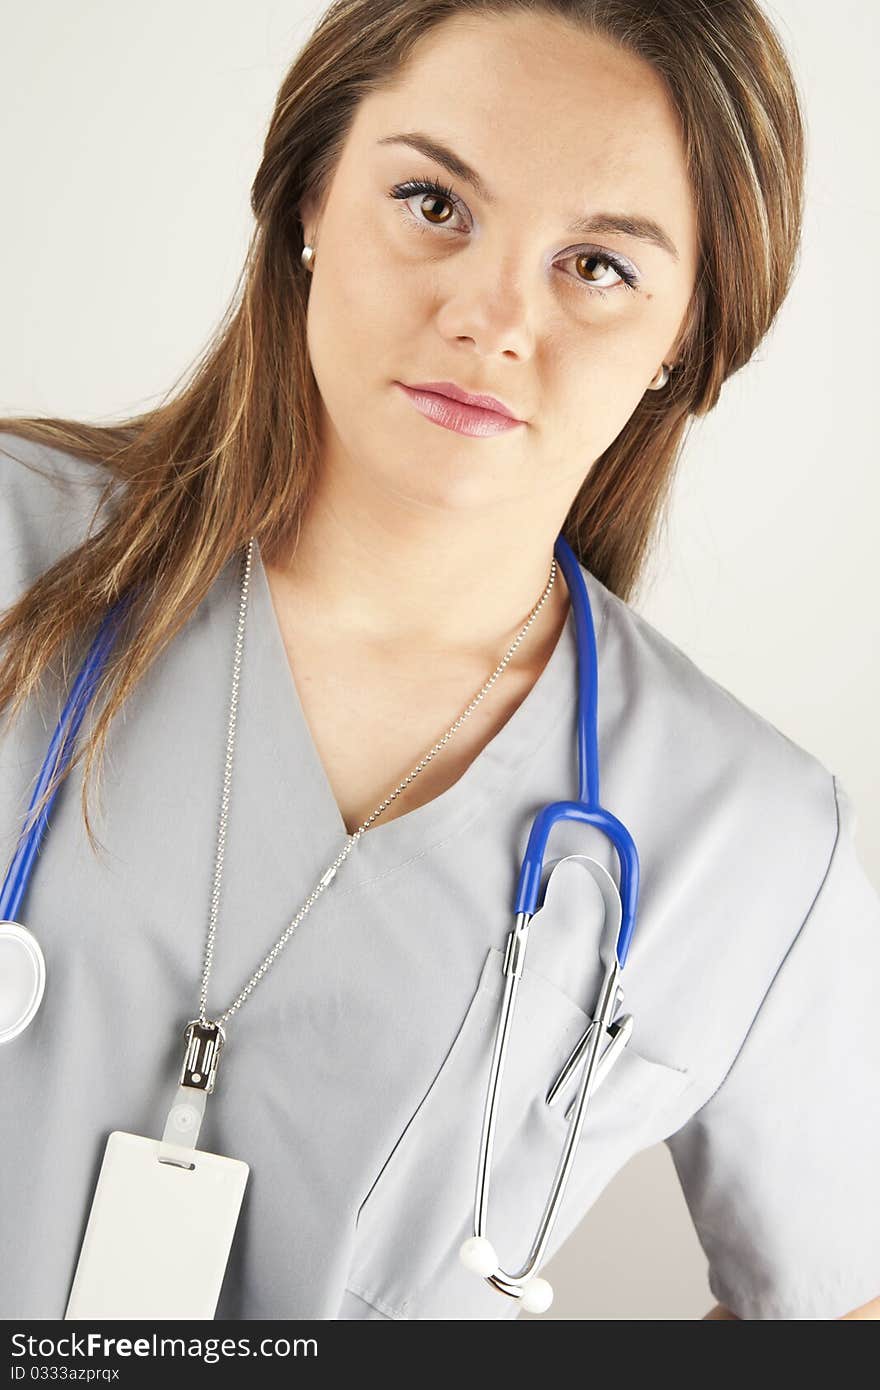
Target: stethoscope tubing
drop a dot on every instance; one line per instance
(587, 808)
(58, 755)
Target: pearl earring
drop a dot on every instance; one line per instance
(308, 257)
(659, 379)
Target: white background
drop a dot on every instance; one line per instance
(130, 136)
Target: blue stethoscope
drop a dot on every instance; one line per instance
(23, 969)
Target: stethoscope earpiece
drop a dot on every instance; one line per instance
(477, 1254)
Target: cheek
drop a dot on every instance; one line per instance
(362, 302)
(591, 397)
(347, 321)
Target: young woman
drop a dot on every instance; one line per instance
(339, 579)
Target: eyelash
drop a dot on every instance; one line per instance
(411, 187)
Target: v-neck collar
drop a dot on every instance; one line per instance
(271, 709)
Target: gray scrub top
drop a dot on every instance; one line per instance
(354, 1076)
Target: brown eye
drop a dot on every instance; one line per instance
(588, 261)
(431, 206)
(435, 197)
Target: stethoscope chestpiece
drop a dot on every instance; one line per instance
(22, 979)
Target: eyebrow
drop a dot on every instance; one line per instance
(628, 224)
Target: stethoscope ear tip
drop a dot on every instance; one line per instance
(478, 1255)
(537, 1295)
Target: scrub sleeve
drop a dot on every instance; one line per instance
(780, 1168)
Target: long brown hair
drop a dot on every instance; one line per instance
(232, 452)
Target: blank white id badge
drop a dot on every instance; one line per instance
(158, 1235)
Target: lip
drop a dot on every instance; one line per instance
(448, 405)
(457, 393)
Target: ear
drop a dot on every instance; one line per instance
(309, 215)
(306, 214)
(686, 329)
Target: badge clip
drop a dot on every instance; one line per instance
(204, 1043)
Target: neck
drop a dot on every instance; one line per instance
(423, 582)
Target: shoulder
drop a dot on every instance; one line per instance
(49, 500)
(687, 696)
(717, 782)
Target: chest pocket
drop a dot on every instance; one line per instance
(420, 1208)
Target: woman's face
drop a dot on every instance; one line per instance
(495, 288)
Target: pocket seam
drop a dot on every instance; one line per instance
(374, 1301)
(558, 992)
